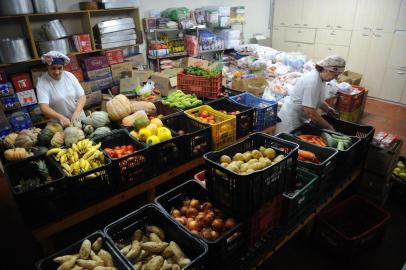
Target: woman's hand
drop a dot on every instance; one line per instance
(64, 121)
(333, 111)
(75, 117)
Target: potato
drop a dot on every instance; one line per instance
(62, 259)
(270, 153)
(256, 154)
(138, 266)
(184, 262)
(225, 159)
(176, 267)
(104, 268)
(171, 260)
(106, 257)
(144, 239)
(135, 251)
(77, 267)
(144, 267)
(68, 264)
(89, 264)
(177, 252)
(143, 254)
(85, 249)
(97, 245)
(155, 238)
(167, 253)
(154, 247)
(166, 266)
(157, 230)
(155, 263)
(138, 235)
(238, 157)
(126, 249)
(95, 257)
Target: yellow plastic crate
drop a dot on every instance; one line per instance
(223, 133)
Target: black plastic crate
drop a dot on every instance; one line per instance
(121, 231)
(327, 157)
(296, 200)
(350, 227)
(346, 159)
(245, 119)
(45, 203)
(132, 169)
(164, 110)
(49, 264)
(244, 194)
(364, 132)
(398, 191)
(221, 251)
(197, 136)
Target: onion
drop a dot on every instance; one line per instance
(194, 232)
(206, 233)
(217, 224)
(181, 220)
(186, 201)
(218, 212)
(183, 210)
(208, 219)
(193, 225)
(195, 203)
(175, 213)
(230, 223)
(192, 212)
(214, 235)
(207, 206)
(200, 217)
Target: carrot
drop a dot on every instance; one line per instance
(305, 137)
(318, 140)
(307, 154)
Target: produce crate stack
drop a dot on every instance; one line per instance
(351, 106)
(399, 181)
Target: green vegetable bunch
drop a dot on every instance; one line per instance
(197, 71)
(181, 100)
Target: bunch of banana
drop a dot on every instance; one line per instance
(81, 157)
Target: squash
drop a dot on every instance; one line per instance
(71, 135)
(16, 154)
(77, 124)
(28, 132)
(25, 141)
(88, 129)
(45, 136)
(39, 150)
(128, 121)
(81, 135)
(99, 119)
(54, 127)
(100, 131)
(9, 140)
(58, 139)
(119, 107)
(148, 107)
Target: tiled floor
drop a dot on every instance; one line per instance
(19, 242)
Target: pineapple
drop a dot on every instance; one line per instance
(42, 169)
(28, 184)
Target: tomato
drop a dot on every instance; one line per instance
(130, 148)
(204, 114)
(107, 149)
(212, 122)
(127, 153)
(210, 117)
(117, 148)
(204, 120)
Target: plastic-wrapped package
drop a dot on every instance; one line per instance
(281, 86)
(308, 66)
(192, 45)
(237, 14)
(212, 17)
(200, 16)
(295, 60)
(176, 14)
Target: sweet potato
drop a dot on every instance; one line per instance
(62, 259)
(138, 235)
(85, 249)
(97, 245)
(67, 265)
(155, 263)
(88, 264)
(154, 238)
(157, 230)
(154, 247)
(106, 257)
(177, 252)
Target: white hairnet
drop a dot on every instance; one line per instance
(333, 62)
(50, 56)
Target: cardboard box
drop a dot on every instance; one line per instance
(195, 62)
(36, 73)
(95, 85)
(142, 75)
(82, 42)
(98, 74)
(350, 77)
(95, 62)
(255, 85)
(136, 60)
(93, 99)
(3, 77)
(78, 73)
(27, 98)
(128, 85)
(115, 56)
(22, 81)
(166, 80)
(118, 69)
(6, 89)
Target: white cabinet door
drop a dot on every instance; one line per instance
(333, 37)
(385, 15)
(305, 35)
(323, 50)
(281, 13)
(358, 53)
(310, 13)
(278, 38)
(403, 99)
(401, 20)
(364, 15)
(294, 17)
(326, 13)
(376, 62)
(307, 49)
(344, 14)
(393, 85)
(397, 58)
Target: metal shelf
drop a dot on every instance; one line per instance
(211, 51)
(167, 56)
(162, 30)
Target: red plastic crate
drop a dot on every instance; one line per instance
(201, 86)
(348, 102)
(201, 178)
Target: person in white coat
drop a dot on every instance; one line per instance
(60, 95)
(308, 95)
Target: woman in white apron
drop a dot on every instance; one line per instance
(308, 95)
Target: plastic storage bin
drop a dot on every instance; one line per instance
(242, 195)
(132, 169)
(350, 226)
(223, 133)
(44, 203)
(265, 111)
(244, 119)
(221, 251)
(49, 264)
(382, 161)
(121, 231)
(325, 170)
(197, 136)
(199, 85)
(350, 102)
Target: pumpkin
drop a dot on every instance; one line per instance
(16, 154)
(119, 107)
(25, 141)
(72, 135)
(77, 124)
(10, 140)
(54, 127)
(29, 132)
(58, 139)
(81, 135)
(99, 119)
(100, 131)
(45, 136)
(35, 130)
(148, 107)
(88, 129)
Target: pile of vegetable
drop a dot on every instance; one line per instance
(340, 142)
(21, 145)
(207, 118)
(38, 176)
(181, 100)
(400, 170)
(313, 139)
(202, 219)
(148, 250)
(120, 151)
(229, 113)
(197, 71)
(150, 131)
(81, 157)
(90, 256)
(308, 156)
(250, 161)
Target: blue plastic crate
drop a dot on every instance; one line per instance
(265, 111)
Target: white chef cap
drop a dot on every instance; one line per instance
(55, 58)
(333, 63)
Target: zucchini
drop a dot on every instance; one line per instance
(340, 146)
(330, 141)
(343, 138)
